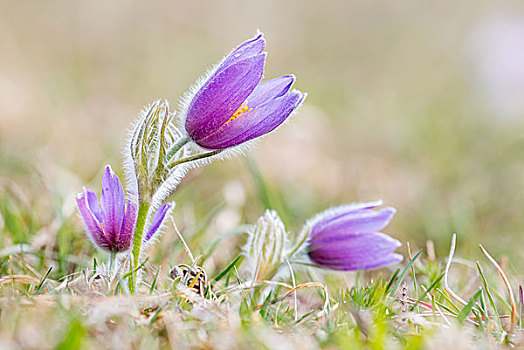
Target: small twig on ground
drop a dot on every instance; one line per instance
(186, 247)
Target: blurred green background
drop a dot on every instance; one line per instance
(418, 103)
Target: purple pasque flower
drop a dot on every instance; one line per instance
(233, 106)
(111, 222)
(348, 238)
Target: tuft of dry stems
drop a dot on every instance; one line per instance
(446, 271)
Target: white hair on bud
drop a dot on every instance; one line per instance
(341, 209)
(131, 143)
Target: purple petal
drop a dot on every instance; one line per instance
(222, 95)
(382, 261)
(157, 221)
(128, 227)
(355, 222)
(95, 231)
(249, 48)
(270, 89)
(337, 212)
(254, 123)
(356, 252)
(113, 204)
(94, 206)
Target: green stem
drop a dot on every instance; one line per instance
(195, 157)
(112, 258)
(137, 243)
(177, 146)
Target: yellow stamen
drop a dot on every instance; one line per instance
(243, 109)
(103, 231)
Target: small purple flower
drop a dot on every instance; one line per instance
(348, 238)
(233, 106)
(111, 223)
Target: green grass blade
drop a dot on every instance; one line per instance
(488, 293)
(227, 269)
(153, 285)
(391, 281)
(466, 310)
(430, 288)
(404, 272)
(40, 287)
(455, 310)
(128, 273)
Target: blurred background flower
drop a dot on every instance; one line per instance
(497, 54)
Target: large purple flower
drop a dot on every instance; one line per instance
(110, 222)
(348, 238)
(233, 106)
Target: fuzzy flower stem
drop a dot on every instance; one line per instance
(137, 242)
(196, 157)
(112, 258)
(177, 146)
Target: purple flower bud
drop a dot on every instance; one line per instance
(233, 106)
(110, 223)
(348, 238)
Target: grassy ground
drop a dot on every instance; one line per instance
(54, 294)
(397, 109)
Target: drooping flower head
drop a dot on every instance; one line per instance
(349, 238)
(111, 222)
(232, 106)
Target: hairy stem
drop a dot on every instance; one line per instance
(112, 258)
(137, 243)
(195, 157)
(177, 146)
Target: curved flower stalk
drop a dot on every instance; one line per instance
(265, 247)
(344, 238)
(231, 106)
